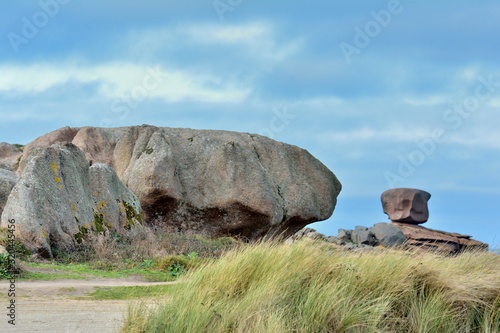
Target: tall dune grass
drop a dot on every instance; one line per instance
(312, 288)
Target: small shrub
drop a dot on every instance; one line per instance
(4, 266)
(175, 270)
(147, 263)
(178, 265)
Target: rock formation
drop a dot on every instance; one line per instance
(397, 235)
(59, 198)
(406, 205)
(406, 208)
(388, 235)
(213, 183)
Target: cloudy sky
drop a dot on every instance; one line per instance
(385, 93)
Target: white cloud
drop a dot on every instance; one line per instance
(367, 134)
(429, 100)
(453, 186)
(256, 40)
(241, 33)
(493, 102)
(121, 80)
(490, 140)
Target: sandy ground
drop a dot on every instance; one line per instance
(50, 306)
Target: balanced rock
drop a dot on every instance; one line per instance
(59, 198)
(406, 205)
(214, 183)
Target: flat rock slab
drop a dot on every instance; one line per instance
(430, 239)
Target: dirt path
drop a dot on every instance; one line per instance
(49, 306)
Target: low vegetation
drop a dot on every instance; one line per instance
(309, 287)
(140, 250)
(135, 292)
(267, 287)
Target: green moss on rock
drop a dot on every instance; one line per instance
(80, 236)
(132, 214)
(98, 222)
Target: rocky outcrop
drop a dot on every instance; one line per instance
(436, 240)
(7, 181)
(388, 235)
(397, 235)
(10, 156)
(363, 235)
(409, 207)
(210, 182)
(406, 205)
(59, 198)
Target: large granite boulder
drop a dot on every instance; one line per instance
(59, 198)
(7, 181)
(406, 205)
(211, 182)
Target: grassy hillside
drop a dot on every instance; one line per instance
(313, 288)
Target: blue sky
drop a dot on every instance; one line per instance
(384, 93)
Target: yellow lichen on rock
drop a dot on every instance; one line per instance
(100, 205)
(55, 168)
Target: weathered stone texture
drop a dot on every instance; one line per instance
(59, 198)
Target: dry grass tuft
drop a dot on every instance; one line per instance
(304, 287)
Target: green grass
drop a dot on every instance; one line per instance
(135, 292)
(56, 271)
(314, 288)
